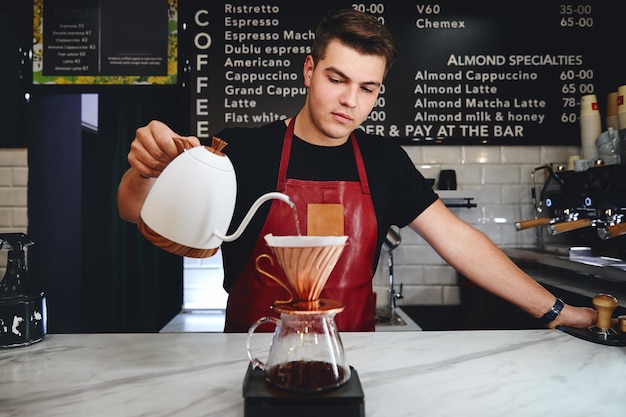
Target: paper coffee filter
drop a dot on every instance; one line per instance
(303, 241)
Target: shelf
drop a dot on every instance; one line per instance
(456, 198)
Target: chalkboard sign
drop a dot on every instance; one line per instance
(105, 42)
(469, 72)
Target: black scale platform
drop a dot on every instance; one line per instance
(261, 399)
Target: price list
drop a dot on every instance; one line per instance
(104, 42)
(246, 65)
(481, 72)
(71, 33)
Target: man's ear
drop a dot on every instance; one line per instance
(307, 70)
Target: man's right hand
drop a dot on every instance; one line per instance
(150, 152)
(153, 148)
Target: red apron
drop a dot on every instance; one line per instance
(253, 294)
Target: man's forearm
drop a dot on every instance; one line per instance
(131, 194)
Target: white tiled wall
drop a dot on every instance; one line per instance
(499, 180)
(13, 194)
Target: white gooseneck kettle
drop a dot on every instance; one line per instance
(190, 205)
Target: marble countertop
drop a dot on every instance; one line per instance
(453, 373)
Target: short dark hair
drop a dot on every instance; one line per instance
(358, 30)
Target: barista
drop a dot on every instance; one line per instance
(358, 184)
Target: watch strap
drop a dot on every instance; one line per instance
(554, 311)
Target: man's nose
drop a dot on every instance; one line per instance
(349, 96)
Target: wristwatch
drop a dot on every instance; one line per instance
(554, 311)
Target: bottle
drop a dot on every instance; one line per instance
(22, 318)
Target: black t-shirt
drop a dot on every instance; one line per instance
(398, 190)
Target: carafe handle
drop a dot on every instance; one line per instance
(256, 363)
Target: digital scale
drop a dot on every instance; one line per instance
(262, 399)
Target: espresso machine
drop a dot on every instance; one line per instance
(585, 212)
(587, 207)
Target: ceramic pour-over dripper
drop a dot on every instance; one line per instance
(307, 262)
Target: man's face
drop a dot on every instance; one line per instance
(343, 88)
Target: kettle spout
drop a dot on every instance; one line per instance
(244, 223)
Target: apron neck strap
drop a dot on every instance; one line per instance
(286, 152)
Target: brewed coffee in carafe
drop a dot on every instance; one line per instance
(306, 353)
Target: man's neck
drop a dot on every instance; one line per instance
(306, 130)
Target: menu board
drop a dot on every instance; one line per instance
(479, 72)
(92, 42)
